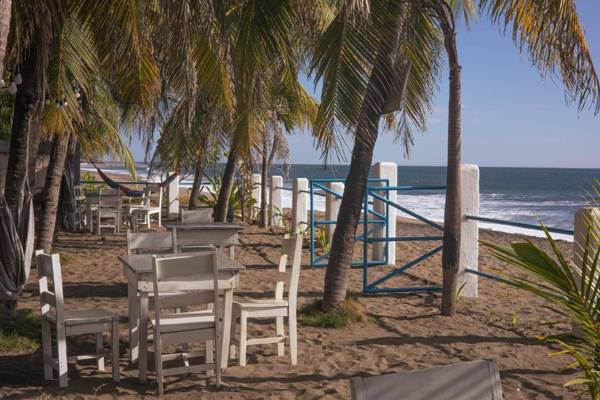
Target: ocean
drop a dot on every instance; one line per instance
(531, 195)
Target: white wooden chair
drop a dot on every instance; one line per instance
(184, 273)
(70, 323)
(145, 242)
(148, 207)
(278, 308)
(198, 216)
(109, 208)
(92, 200)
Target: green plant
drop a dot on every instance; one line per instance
(26, 335)
(312, 314)
(321, 237)
(572, 291)
(235, 200)
(89, 186)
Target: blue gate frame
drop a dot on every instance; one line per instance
(321, 184)
(372, 287)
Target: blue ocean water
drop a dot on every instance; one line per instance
(550, 195)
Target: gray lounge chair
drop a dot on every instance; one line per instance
(474, 380)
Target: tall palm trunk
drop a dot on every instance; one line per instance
(452, 210)
(377, 93)
(263, 221)
(220, 213)
(198, 174)
(5, 14)
(26, 103)
(50, 196)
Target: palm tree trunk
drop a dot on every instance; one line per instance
(26, 103)
(263, 220)
(220, 213)
(5, 14)
(49, 206)
(198, 174)
(35, 138)
(378, 91)
(452, 210)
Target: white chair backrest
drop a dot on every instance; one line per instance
(149, 242)
(111, 198)
(153, 194)
(291, 254)
(50, 283)
(199, 216)
(92, 198)
(193, 272)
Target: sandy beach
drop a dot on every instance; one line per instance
(399, 332)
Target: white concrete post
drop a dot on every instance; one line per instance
(332, 206)
(173, 197)
(256, 194)
(276, 201)
(469, 242)
(389, 171)
(300, 205)
(585, 219)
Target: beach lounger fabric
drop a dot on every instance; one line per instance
(474, 380)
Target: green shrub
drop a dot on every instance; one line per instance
(312, 314)
(27, 334)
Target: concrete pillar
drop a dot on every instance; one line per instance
(256, 195)
(389, 171)
(332, 206)
(469, 243)
(586, 219)
(300, 205)
(276, 201)
(173, 197)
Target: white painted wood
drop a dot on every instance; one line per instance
(143, 242)
(256, 194)
(300, 206)
(151, 205)
(469, 244)
(66, 322)
(185, 327)
(173, 197)
(276, 201)
(389, 171)
(137, 269)
(198, 216)
(277, 308)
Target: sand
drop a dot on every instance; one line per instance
(399, 333)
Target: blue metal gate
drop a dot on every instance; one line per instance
(319, 187)
(373, 287)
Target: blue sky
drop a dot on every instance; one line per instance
(510, 116)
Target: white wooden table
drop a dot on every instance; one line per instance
(217, 234)
(138, 271)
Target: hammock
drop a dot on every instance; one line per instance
(127, 191)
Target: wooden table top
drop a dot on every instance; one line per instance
(142, 263)
(210, 226)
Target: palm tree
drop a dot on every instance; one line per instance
(5, 14)
(550, 46)
(386, 66)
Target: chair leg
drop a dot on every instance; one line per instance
(47, 348)
(280, 333)
(115, 350)
(293, 331)
(61, 341)
(243, 337)
(134, 328)
(210, 353)
(218, 346)
(159, 218)
(158, 361)
(147, 220)
(100, 351)
(232, 335)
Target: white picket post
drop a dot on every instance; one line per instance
(389, 171)
(276, 201)
(469, 242)
(173, 197)
(255, 180)
(300, 205)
